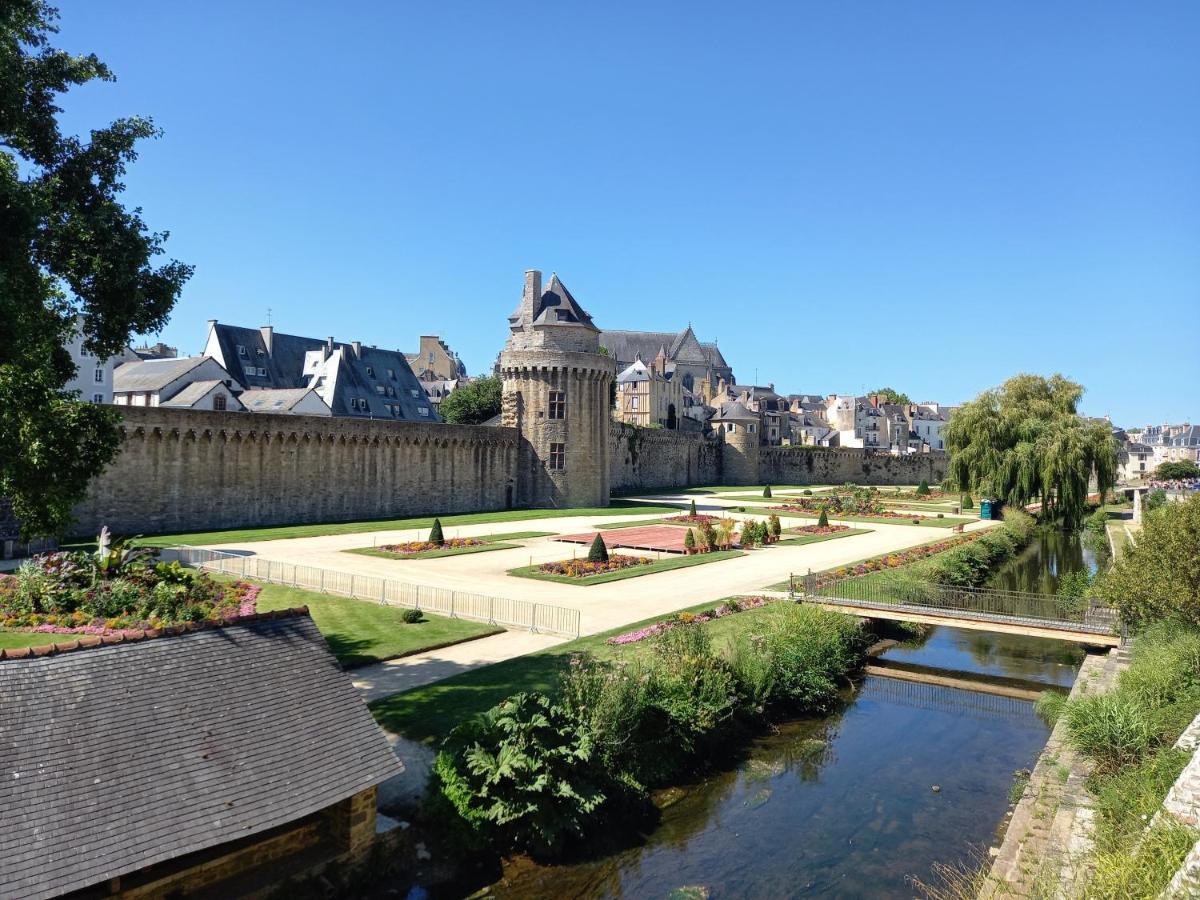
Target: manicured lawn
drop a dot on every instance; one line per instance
(428, 713)
(661, 565)
(636, 522)
(12, 640)
(360, 632)
(934, 522)
(282, 532)
(800, 539)
(493, 542)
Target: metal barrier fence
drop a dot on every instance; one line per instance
(989, 602)
(537, 617)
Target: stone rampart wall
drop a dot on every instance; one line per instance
(826, 465)
(643, 459)
(193, 470)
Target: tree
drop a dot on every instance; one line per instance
(823, 519)
(1024, 442)
(598, 552)
(767, 492)
(775, 528)
(1182, 470)
(709, 533)
(435, 533)
(692, 509)
(923, 488)
(473, 403)
(689, 542)
(892, 396)
(73, 260)
(1159, 576)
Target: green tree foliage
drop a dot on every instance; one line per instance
(775, 528)
(472, 403)
(522, 774)
(823, 518)
(598, 552)
(1153, 500)
(1177, 471)
(967, 502)
(689, 541)
(692, 508)
(435, 533)
(892, 396)
(767, 492)
(923, 488)
(1024, 442)
(68, 249)
(1158, 577)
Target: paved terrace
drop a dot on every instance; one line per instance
(602, 607)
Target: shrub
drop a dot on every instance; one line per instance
(767, 491)
(598, 552)
(923, 488)
(689, 541)
(522, 774)
(807, 492)
(1156, 499)
(412, 616)
(1050, 706)
(435, 533)
(967, 502)
(823, 519)
(775, 528)
(692, 508)
(1109, 728)
(748, 535)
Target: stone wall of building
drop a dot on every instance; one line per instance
(644, 459)
(194, 470)
(827, 465)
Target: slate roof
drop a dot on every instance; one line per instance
(274, 400)
(191, 394)
(285, 370)
(624, 346)
(121, 756)
(152, 374)
(734, 412)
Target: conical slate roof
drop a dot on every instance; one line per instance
(557, 306)
(734, 412)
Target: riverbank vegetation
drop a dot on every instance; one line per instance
(1024, 442)
(539, 771)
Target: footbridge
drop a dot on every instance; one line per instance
(980, 609)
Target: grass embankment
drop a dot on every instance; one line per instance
(284, 532)
(797, 540)
(360, 632)
(1128, 735)
(428, 713)
(490, 542)
(661, 565)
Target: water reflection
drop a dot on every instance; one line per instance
(842, 806)
(1052, 553)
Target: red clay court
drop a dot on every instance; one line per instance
(667, 538)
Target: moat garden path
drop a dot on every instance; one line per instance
(602, 606)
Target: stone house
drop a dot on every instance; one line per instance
(435, 361)
(927, 424)
(1134, 462)
(94, 377)
(354, 380)
(194, 382)
(649, 395)
(286, 401)
(163, 764)
(699, 366)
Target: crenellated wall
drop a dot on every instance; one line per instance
(648, 458)
(192, 470)
(830, 465)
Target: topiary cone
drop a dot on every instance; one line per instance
(823, 519)
(598, 552)
(435, 533)
(692, 509)
(767, 492)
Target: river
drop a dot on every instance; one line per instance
(855, 804)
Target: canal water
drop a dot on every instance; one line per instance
(845, 805)
(1051, 555)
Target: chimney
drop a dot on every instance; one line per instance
(212, 324)
(531, 295)
(357, 345)
(268, 336)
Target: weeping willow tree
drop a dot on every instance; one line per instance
(1024, 442)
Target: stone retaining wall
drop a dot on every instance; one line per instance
(644, 459)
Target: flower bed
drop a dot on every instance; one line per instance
(819, 529)
(699, 519)
(78, 593)
(725, 609)
(414, 547)
(810, 507)
(894, 560)
(583, 568)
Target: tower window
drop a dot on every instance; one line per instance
(558, 405)
(558, 457)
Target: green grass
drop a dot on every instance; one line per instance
(491, 542)
(428, 713)
(946, 522)
(661, 565)
(12, 640)
(801, 539)
(284, 532)
(360, 632)
(637, 523)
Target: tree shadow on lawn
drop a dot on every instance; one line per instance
(351, 652)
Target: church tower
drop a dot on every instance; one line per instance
(557, 393)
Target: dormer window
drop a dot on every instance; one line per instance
(241, 350)
(391, 374)
(422, 410)
(370, 372)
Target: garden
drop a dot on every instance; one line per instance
(600, 566)
(438, 545)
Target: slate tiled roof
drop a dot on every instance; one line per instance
(734, 412)
(152, 374)
(191, 394)
(274, 400)
(624, 346)
(117, 757)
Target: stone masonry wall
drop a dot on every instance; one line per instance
(189, 470)
(648, 458)
(824, 465)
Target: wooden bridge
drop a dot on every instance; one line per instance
(978, 609)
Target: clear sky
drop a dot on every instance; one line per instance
(931, 195)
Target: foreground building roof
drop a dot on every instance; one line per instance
(119, 756)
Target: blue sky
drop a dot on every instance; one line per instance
(930, 195)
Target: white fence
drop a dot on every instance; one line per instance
(538, 617)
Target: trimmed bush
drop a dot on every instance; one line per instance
(823, 519)
(598, 552)
(413, 616)
(923, 488)
(767, 492)
(435, 533)
(775, 527)
(967, 502)
(689, 541)
(692, 508)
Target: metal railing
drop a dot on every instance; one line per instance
(537, 617)
(968, 602)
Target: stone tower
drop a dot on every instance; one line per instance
(557, 392)
(739, 428)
